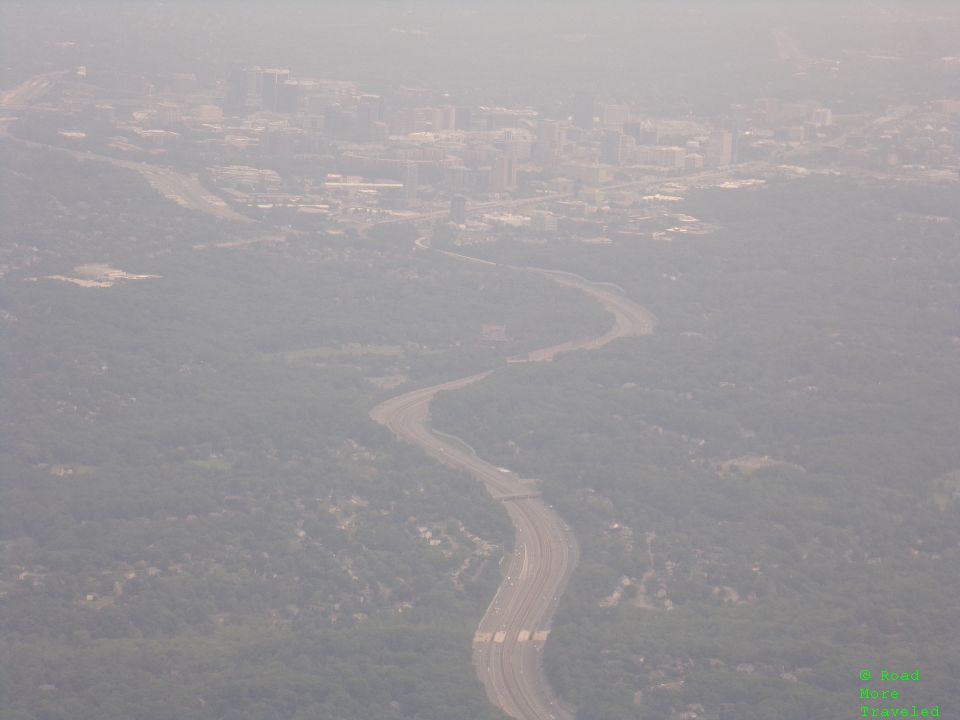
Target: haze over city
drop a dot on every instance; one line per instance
(430, 360)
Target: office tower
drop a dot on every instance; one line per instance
(422, 119)
(504, 174)
(517, 144)
(464, 118)
(611, 151)
(450, 117)
(720, 148)
(642, 132)
(166, 114)
(634, 128)
(369, 111)
(244, 89)
(791, 134)
(548, 140)
(337, 123)
(455, 176)
(410, 120)
(289, 97)
(410, 177)
(235, 100)
(270, 87)
(437, 120)
(739, 118)
(662, 156)
(379, 132)
(821, 117)
(584, 107)
(443, 118)
(671, 156)
(458, 210)
(542, 221)
(254, 86)
(281, 142)
(613, 116)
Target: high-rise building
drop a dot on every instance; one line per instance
(452, 173)
(289, 97)
(443, 118)
(720, 148)
(821, 117)
(548, 141)
(166, 114)
(411, 183)
(335, 122)
(642, 132)
(504, 174)
(738, 119)
(235, 99)
(410, 120)
(671, 156)
(766, 111)
(480, 180)
(611, 151)
(254, 86)
(270, 87)
(458, 210)
(542, 221)
(634, 128)
(423, 116)
(516, 144)
(662, 156)
(584, 109)
(464, 118)
(613, 116)
(369, 111)
(282, 142)
(379, 132)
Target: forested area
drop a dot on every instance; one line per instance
(766, 490)
(197, 517)
(199, 520)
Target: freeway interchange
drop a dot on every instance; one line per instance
(508, 643)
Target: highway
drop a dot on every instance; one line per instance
(185, 190)
(29, 90)
(508, 643)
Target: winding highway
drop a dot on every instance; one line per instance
(508, 643)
